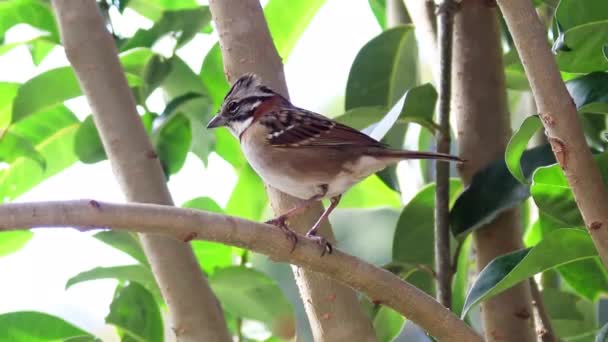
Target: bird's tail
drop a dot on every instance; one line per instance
(405, 154)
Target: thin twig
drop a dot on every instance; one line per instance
(186, 224)
(443, 259)
(545, 331)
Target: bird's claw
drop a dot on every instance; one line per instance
(321, 241)
(280, 222)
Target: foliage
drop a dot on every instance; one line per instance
(41, 135)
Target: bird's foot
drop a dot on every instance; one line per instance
(321, 241)
(281, 223)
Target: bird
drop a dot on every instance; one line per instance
(302, 153)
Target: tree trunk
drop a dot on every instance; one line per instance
(480, 109)
(195, 312)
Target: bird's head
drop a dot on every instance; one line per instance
(244, 97)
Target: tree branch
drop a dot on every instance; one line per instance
(184, 224)
(443, 257)
(559, 116)
(483, 129)
(545, 331)
(247, 47)
(194, 310)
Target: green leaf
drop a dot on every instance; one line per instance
(418, 107)
(413, 241)
(52, 132)
(287, 20)
(560, 247)
(572, 13)
(178, 101)
(136, 315)
(55, 86)
(461, 278)
(12, 241)
(241, 202)
(181, 82)
(155, 72)
(250, 294)
(13, 146)
(173, 143)
(553, 196)
(602, 335)
(378, 7)
(588, 278)
(493, 190)
(581, 48)
(34, 326)
(88, 146)
(153, 9)
(383, 69)
(590, 92)
(369, 193)
(8, 91)
(569, 315)
(210, 255)
(517, 146)
(132, 273)
(39, 49)
(125, 242)
(183, 24)
(212, 75)
(388, 323)
(34, 13)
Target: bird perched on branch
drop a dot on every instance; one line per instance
(302, 153)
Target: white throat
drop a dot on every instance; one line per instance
(238, 127)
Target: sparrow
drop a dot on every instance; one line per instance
(302, 153)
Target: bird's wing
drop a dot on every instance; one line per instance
(295, 127)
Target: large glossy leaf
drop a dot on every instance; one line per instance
(553, 196)
(132, 273)
(247, 293)
(88, 146)
(558, 248)
(418, 107)
(8, 91)
(572, 13)
(52, 132)
(590, 92)
(248, 199)
(173, 142)
(125, 242)
(55, 86)
(179, 86)
(13, 146)
(413, 243)
(517, 146)
(210, 255)
(383, 69)
(183, 24)
(461, 278)
(32, 12)
(580, 49)
(570, 315)
(136, 314)
(369, 193)
(32, 326)
(378, 7)
(388, 323)
(287, 20)
(493, 190)
(12, 241)
(153, 9)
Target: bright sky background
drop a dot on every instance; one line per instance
(34, 278)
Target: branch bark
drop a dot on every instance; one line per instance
(186, 224)
(443, 257)
(333, 310)
(560, 119)
(194, 310)
(480, 108)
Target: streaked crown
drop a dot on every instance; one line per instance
(240, 103)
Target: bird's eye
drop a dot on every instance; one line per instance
(232, 107)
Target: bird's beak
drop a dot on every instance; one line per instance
(217, 121)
